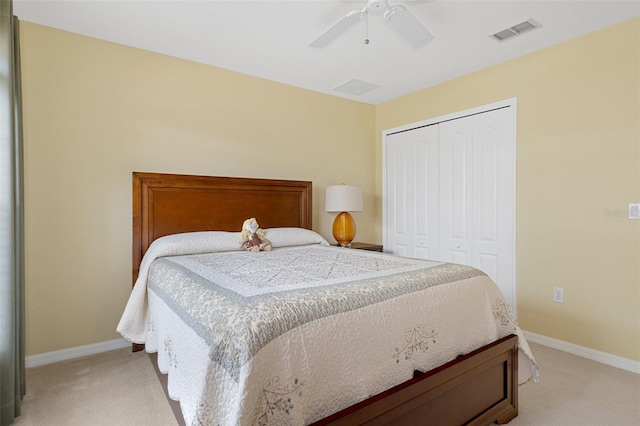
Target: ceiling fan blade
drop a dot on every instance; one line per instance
(338, 28)
(408, 26)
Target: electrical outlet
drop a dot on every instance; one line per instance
(558, 294)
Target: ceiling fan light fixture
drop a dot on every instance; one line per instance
(377, 5)
(401, 19)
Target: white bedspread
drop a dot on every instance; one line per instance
(294, 335)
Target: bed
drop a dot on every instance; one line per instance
(360, 348)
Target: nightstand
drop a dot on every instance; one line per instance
(366, 246)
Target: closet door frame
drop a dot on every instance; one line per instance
(511, 104)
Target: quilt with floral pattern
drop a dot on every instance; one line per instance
(291, 336)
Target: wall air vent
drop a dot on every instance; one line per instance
(516, 30)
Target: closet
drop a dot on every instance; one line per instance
(449, 191)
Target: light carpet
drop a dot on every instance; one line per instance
(120, 388)
(115, 388)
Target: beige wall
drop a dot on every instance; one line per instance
(578, 161)
(96, 111)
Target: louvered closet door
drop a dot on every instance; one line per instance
(412, 192)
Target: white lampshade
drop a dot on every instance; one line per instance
(343, 198)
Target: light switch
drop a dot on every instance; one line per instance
(634, 210)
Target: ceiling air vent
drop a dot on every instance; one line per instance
(516, 30)
(355, 87)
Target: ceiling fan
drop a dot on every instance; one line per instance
(397, 16)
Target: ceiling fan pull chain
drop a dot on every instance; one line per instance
(366, 33)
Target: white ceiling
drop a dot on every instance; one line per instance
(270, 39)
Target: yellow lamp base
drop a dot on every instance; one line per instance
(344, 229)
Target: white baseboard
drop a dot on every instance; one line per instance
(584, 352)
(77, 352)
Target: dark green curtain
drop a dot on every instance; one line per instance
(12, 357)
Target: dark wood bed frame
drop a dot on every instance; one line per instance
(478, 388)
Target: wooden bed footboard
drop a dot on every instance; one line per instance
(479, 388)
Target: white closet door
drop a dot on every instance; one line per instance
(455, 191)
(477, 179)
(449, 192)
(411, 209)
(494, 198)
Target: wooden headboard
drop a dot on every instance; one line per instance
(166, 204)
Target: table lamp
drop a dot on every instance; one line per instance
(343, 199)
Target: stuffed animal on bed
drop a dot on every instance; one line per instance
(253, 238)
